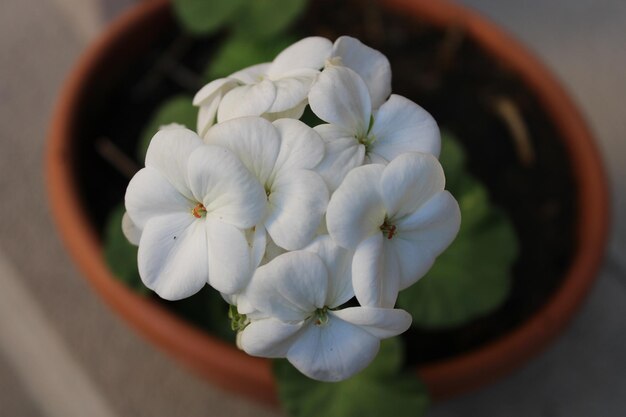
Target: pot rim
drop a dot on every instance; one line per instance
(227, 366)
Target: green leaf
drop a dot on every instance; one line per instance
(266, 18)
(383, 389)
(203, 17)
(473, 199)
(121, 255)
(239, 52)
(452, 158)
(178, 109)
(389, 360)
(473, 276)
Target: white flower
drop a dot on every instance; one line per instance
(281, 155)
(355, 134)
(398, 219)
(130, 230)
(371, 65)
(277, 89)
(190, 205)
(263, 250)
(298, 293)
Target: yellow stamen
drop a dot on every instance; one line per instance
(198, 211)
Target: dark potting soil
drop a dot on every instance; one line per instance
(444, 72)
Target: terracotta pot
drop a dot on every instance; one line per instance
(233, 369)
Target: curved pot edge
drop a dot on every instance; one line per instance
(446, 378)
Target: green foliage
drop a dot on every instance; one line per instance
(239, 52)
(256, 29)
(204, 17)
(452, 158)
(177, 109)
(266, 18)
(121, 255)
(258, 19)
(383, 389)
(473, 276)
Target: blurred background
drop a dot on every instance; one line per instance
(64, 353)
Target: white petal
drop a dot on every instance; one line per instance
(130, 230)
(291, 287)
(338, 262)
(244, 306)
(375, 273)
(172, 255)
(226, 187)
(254, 140)
(258, 243)
(369, 63)
(168, 153)
(292, 89)
(215, 88)
(414, 260)
(374, 158)
(207, 116)
(172, 126)
(379, 322)
(296, 205)
(252, 74)
(268, 338)
(272, 250)
(247, 100)
(294, 113)
(402, 126)
(309, 52)
(424, 235)
(229, 257)
(409, 181)
(340, 97)
(300, 146)
(150, 194)
(342, 152)
(334, 351)
(356, 210)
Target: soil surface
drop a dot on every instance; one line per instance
(443, 71)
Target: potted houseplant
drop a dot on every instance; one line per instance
(552, 135)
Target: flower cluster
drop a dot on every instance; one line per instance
(309, 232)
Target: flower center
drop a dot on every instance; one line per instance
(368, 138)
(321, 316)
(367, 141)
(198, 211)
(388, 229)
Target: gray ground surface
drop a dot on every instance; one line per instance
(582, 374)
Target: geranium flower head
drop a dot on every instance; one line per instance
(356, 134)
(298, 294)
(191, 203)
(397, 218)
(292, 223)
(282, 156)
